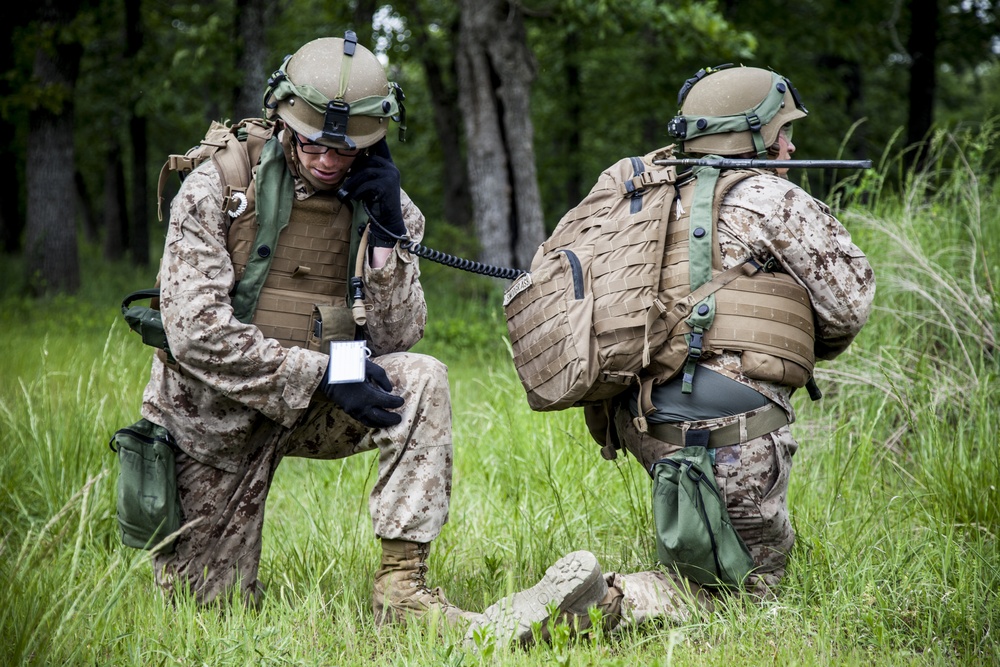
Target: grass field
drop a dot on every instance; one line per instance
(893, 495)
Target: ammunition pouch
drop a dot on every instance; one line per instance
(330, 323)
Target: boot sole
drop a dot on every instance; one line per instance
(573, 583)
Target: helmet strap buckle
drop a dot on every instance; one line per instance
(335, 122)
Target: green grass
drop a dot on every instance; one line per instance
(893, 494)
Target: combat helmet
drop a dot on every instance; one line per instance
(727, 110)
(335, 92)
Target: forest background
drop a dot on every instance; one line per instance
(513, 110)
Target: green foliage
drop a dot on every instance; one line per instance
(893, 494)
(610, 72)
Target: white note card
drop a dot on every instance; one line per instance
(347, 361)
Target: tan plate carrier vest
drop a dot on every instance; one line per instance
(307, 281)
(303, 299)
(766, 316)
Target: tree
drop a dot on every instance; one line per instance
(434, 47)
(495, 71)
(868, 71)
(609, 81)
(922, 48)
(13, 122)
(114, 208)
(52, 264)
(135, 35)
(252, 19)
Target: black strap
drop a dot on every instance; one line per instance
(148, 293)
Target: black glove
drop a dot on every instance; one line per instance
(374, 181)
(368, 401)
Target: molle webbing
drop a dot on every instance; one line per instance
(308, 267)
(621, 283)
(274, 196)
(768, 313)
(764, 312)
(577, 321)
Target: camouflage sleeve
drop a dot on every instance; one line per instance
(398, 311)
(781, 220)
(212, 346)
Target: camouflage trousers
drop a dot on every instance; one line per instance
(753, 480)
(220, 543)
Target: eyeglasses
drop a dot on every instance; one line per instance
(312, 148)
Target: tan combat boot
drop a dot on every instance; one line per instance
(401, 589)
(573, 584)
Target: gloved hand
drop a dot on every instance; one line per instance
(374, 181)
(368, 401)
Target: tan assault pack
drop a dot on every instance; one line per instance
(591, 319)
(246, 140)
(235, 150)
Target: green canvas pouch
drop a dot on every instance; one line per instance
(693, 531)
(148, 507)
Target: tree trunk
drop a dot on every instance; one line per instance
(457, 206)
(252, 17)
(364, 13)
(922, 46)
(91, 227)
(11, 220)
(51, 258)
(11, 195)
(115, 223)
(137, 216)
(574, 116)
(494, 81)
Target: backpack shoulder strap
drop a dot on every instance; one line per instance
(258, 131)
(704, 255)
(235, 151)
(236, 160)
(274, 195)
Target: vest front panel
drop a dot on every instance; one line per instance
(309, 267)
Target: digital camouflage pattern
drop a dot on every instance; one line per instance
(242, 402)
(657, 594)
(753, 480)
(224, 511)
(768, 216)
(763, 216)
(231, 373)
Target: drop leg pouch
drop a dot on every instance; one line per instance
(148, 507)
(693, 531)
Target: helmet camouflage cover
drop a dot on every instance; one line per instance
(728, 110)
(335, 92)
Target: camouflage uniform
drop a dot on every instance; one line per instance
(242, 402)
(763, 216)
